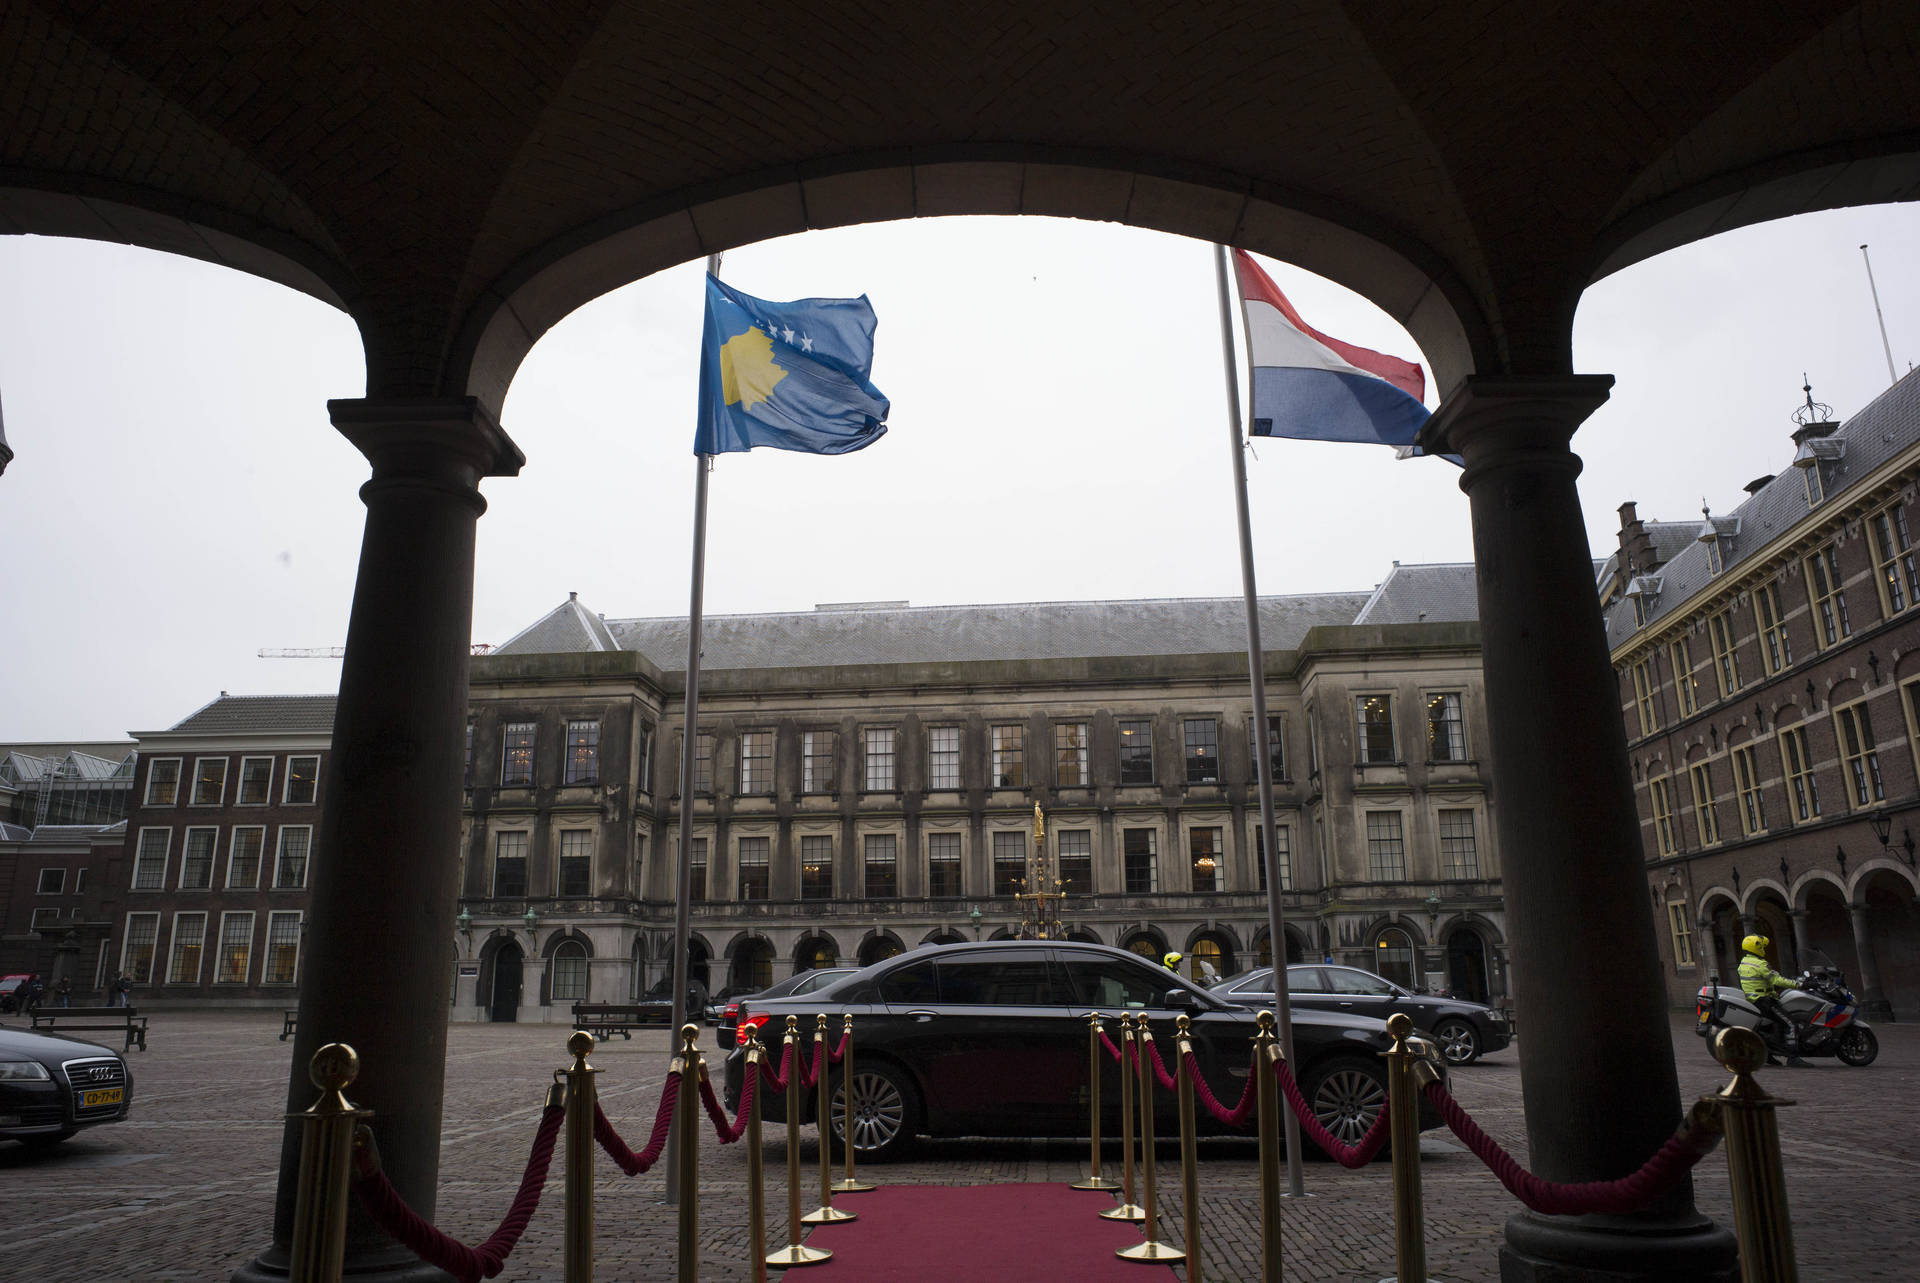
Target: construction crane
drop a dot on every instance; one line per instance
(338, 652)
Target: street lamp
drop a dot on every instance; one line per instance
(532, 919)
(1433, 914)
(1882, 821)
(464, 924)
(974, 916)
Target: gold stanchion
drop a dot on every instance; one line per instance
(1128, 1209)
(1189, 1149)
(848, 1184)
(1407, 1073)
(1094, 1179)
(319, 1239)
(795, 1252)
(826, 1213)
(1152, 1249)
(581, 1096)
(756, 1167)
(687, 1145)
(1759, 1185)
(1266, 1053)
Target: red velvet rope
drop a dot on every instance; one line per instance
(840, 1053)
(1660, 1173)
(390, 1212)
(778, 1079)
(625, 1159)
(1112, 1048)
(1167, 1081)
(729, 1132)
(1240, 1115)
(1346, 1155)
(808, 1077)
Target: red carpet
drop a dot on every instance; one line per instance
(977, 1234)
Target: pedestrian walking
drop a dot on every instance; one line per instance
(63, 992)
(118, 990)
(36, 990)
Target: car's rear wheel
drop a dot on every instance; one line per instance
(886, 1111)
(1459, 1041)
(1346, 1096)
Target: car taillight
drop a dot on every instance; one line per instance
(750, 1022)
(732, 1012)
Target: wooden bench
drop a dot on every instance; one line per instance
(604, 1019)
(71, 1020)
(286, 1024)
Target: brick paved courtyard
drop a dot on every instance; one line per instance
(184, 1190)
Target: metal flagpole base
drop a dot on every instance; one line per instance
(1152, 1252)
(846, 1186)
(798, 1254)
(827, 1216)
(1095, 1182)
(1125, 1212)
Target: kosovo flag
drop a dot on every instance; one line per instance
(792, 376)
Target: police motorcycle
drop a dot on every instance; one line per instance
(1821, 1006)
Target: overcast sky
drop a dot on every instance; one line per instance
(179, 500)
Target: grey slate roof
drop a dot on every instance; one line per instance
(1442, 593)
(1888, 425)
(14, 832)
(261, 714)
(567, 630)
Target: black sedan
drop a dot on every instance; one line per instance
(1465, 1030)
(52, 1087)
(991, 1040)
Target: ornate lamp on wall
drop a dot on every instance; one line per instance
(464, 924)
(532, 919)
(974, 915)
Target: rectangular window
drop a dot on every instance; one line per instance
(209, 782)
(1446, 730)
(1661, 793)
(189, 941)
(1797, 761)
(1137, 855)
(1009, 766)
(583, 752)
(644, 770)
(702, 763)
(236, 949)
(1686, 687)
(136, 956)
(1136, 751)
(1643, 688)
(756, 868)
(196, 859)
(290, 867)
(1276, 754)
(1203, 846)
(943, 864)
(256, 781)
(879, 743)
(816, 868)
(1070, 755)
(79, 880)
(1282, 843)
(52, 882)
(510, 865)
(1009, 862)
(1386, 847)
(44, 920)
(1459, 854)
(1746, 780)
(576, 862)
(1726, 653)
(1706, 809)
(880, 867)
(1898, 576)
(817, 752)
(303, 780)
(150, 860)
(697, 862)
(1772, 619)
(1076, 861)
(1824, 589)
(1858, 753)
(243, 858)
(516, 754)
(569, 974)
(1682, 929)
(163, 781)
(283, 949)
(756, 762)
(1374, 714)
(1202, 736)
(943, 757)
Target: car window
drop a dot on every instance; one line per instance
(1346, 980)
(1307, 980)
(1115, 983)
(1002, 978)
(1256, 984)
(909, 984)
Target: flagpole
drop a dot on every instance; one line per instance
(1263, 755)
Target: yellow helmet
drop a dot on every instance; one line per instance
(1172, 959)
(1754, 944)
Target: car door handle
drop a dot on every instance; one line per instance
(923, 1016)
(1346, 1004)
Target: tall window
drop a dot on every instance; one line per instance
(1137, 856)
(1386, 847)
(256, 781)
(1374, 715)
(303, 780)
(1830, 622)
(163, 781)
(510, 865)
(283, 949)
(236, 949)
(1681, 928)
(1136, 751)
(1203, 845)
(576, 862)
(150, 860)
(697, 864)
(644, 770)
(516, 754)
(1009, 747)
(881, 880)
(136, 956)
(1861, 758)
(1746, 781)
(817, 751)
(1643, 688)
(1459, 855)
(1686, 687)
(943, 864)
(816, 868)
(879, 742)
(1772, 619)
(209, 781)
(1202, 736)
(943, 757)
(1276, 750)
(1009, 862)
(702, 763)
(756, 762)
(1446, 731)
(1706, 809)
(1898, 576)
(52, 882)
(196, 859)
(1070, 755)
(1283, 844)
(1726, 654)
(1661, 793)
(189, 940)
(1797, 761)
(755, 871)
(1076, 861)
(570, 972)
(290, 865)
(583, 752)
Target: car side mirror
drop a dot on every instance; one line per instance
(1181, 1000)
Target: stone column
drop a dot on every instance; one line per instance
(1596, 1058)
(1800, 945)
(1873, 999)
(385, 866)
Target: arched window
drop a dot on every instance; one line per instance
(879, 949)
(1393, 956)
(817, 953)
(1146, 946)
(570, 972)
(1207, 956)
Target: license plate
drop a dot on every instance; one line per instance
(103, 1096)
(1705, 1015)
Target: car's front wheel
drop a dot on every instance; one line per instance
(1459, 1041)
(886, 1111)
(1346, 1096)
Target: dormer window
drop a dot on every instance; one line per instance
(1642, 591)
(1717, 534)
(1817, 458)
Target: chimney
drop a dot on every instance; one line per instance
(1758, 484)
(573, 596)
(1636, 545)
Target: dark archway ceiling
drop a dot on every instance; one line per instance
(459, 176)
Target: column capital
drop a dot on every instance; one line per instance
(1494, 420)
(408, 434)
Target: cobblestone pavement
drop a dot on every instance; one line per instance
(184, 1189)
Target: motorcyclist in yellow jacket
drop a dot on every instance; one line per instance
(1760, 982)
